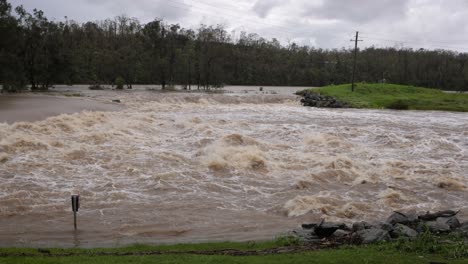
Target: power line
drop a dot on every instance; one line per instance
(231, 16)
(412, 40)
(418, 42)
(235, 16)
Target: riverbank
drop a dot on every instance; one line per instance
(393, 96)
(428, 249)
(439, 238)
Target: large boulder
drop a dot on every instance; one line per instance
(385, 226)
(369, 236)
(433, 227)
(340, 233)
(358, 226)
(452, 221)
(400, 218)
(400, 230)
(327, 229)
(463, 229)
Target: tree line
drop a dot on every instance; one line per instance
(38, 52)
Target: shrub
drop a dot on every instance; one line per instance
(119, 82)
(287, 241)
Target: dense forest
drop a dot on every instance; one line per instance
(39, 52)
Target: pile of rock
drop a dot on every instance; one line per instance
(317, 100)
(397, 225)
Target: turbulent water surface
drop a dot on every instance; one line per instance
(178, 167)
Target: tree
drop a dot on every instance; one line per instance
(42, 52)
(11, 73)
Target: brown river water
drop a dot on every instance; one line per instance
(192, 167)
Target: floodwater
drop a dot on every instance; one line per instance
(245, 165)
(32, 107)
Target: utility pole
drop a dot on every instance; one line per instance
(355, 58)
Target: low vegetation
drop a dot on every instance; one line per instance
(425, 249)
(393, 96)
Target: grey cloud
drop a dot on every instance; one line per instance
(360, 11)
(86, 10)
(145, 9)
(324, 23)
(263, 7)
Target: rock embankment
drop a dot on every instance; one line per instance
(317, 100)
(398, 225)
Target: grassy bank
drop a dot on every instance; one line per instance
(426, 249)
(392, 96)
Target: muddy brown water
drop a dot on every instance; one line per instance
(178, 167)
(32, 107)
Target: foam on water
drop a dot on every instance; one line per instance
(179, 167)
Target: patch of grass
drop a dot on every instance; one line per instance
(393, 96)
(426, 249)
(364, 255)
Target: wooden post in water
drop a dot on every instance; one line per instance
(75, 199)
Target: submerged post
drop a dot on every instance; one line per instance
(75, 199)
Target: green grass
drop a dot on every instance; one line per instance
(426, 249)
(363, 255)
(393, 96)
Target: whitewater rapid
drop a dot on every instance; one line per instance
(178, 167)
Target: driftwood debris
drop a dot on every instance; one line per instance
(433, 216)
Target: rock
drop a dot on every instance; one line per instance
(452, 222)
(358, 226)
(398, 218)
(385, 226)
(433, 227)
(340, 233)
(116, 101)
(400, 230)
(317, 100)
(327, 229)
(308, 226)
(463, 229)
(373, 235)
(306, 235)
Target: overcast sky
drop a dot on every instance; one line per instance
(430, 24)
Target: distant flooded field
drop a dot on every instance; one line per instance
(241, 165)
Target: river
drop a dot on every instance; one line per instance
(244, 165)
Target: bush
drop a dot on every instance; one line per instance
(119, 83)
(398, 105)
(287, 241)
